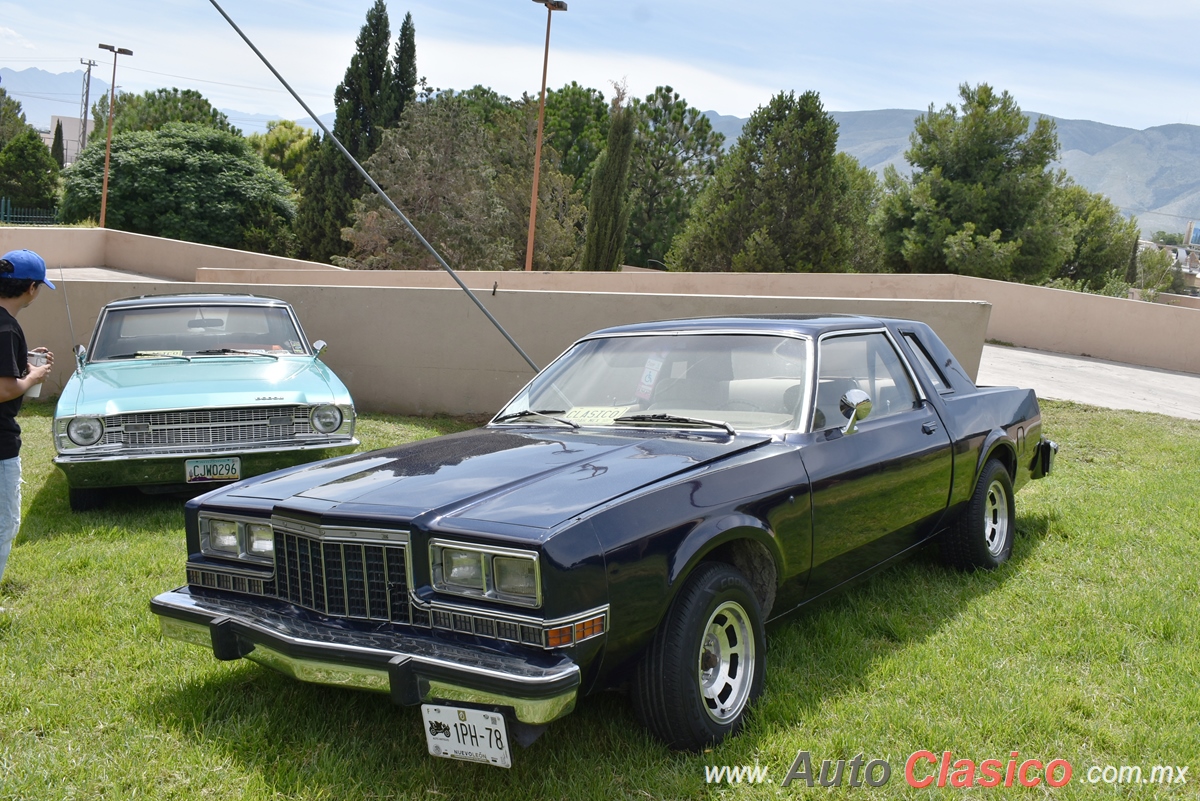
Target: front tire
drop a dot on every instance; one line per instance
(982, 537)
(706, 663)
(85, 499)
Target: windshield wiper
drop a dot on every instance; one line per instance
(145, 355)
(674, 418)
(546, 413)
(223, 351)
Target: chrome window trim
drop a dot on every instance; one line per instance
(859, 332)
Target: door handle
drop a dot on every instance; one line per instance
(929, 427)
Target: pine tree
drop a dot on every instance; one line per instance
(608, 217)
(404, 67)
(56, 149)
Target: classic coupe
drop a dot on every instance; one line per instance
(175, 392)
(632, 518)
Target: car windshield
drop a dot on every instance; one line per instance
(743, 381)
(200, 330)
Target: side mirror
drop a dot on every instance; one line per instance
(80, 355)
(855, 406)
(319, 346)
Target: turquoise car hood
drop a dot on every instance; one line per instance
(107, 388)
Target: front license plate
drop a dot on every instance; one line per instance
(468, 734)
(200, 471)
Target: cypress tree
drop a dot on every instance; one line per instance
(56, 149)
(365, 102)
(404, 67)
(608, 214)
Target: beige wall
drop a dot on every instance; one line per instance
(429, 350)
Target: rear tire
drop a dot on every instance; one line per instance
(86, 499)
(705, 665)
(982, 537)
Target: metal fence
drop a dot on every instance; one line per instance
(14, 216)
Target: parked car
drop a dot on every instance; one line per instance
(182, 391)
(634, 516)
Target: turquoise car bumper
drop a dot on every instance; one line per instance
(145, 470)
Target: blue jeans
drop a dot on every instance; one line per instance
(10, 506)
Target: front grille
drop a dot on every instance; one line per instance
(192, 428)
(342, 579)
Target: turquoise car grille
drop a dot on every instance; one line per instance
(190, 428)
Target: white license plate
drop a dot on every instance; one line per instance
(200, 471)
(468, 734)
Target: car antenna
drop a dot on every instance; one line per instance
(70, 326)
(371, 181)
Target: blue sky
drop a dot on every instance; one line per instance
(1120, 63)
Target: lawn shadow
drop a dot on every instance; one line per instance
(299, 736)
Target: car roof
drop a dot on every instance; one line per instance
(802, 324)
(195, 298)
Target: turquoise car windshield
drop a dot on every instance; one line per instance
(185, 331)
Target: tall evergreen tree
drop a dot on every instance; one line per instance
(980, 199)
(365, 101)
(12, 119)
(776, 201)
(404, 68)
(675, 154)
(56, 149)
(608, 214)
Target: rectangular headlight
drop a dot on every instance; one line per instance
(243, 539)
(515, 576)
(222, 536)
(260, 539)
(502, 574)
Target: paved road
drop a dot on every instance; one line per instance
(1094, 381)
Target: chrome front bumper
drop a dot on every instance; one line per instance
(126, 469)
(413, 669)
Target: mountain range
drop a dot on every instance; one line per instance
(1153, 174)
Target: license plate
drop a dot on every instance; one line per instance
(468, 734)
(200, 471)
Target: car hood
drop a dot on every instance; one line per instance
(143, 384)
(518, 477)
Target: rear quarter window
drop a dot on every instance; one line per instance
(927, 366)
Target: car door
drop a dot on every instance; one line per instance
(878, 489)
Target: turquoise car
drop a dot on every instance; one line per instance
(183, 392)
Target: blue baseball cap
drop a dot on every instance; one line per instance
(24, 264)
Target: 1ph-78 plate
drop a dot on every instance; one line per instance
(472, 735)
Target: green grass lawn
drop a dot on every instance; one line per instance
(1084, 648)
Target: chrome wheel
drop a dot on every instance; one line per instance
(995, 518)
(725, 665)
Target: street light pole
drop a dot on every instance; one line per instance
(551, 7)
(112, 99)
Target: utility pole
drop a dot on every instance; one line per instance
(87, 99)
(112, 99)
(551, 7)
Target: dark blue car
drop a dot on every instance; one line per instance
(632, 518)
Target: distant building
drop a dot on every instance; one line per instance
(70, 126)
(1192, 236)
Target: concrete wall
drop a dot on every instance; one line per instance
(429, 350)
(1149, 334)
(150, 255)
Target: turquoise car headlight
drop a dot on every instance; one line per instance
(84, 431)
(326, 419)
(501, 574)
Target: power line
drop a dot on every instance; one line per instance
(204, 80)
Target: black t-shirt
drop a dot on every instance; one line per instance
(14, 361)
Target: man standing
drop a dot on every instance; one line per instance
(22, 273)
